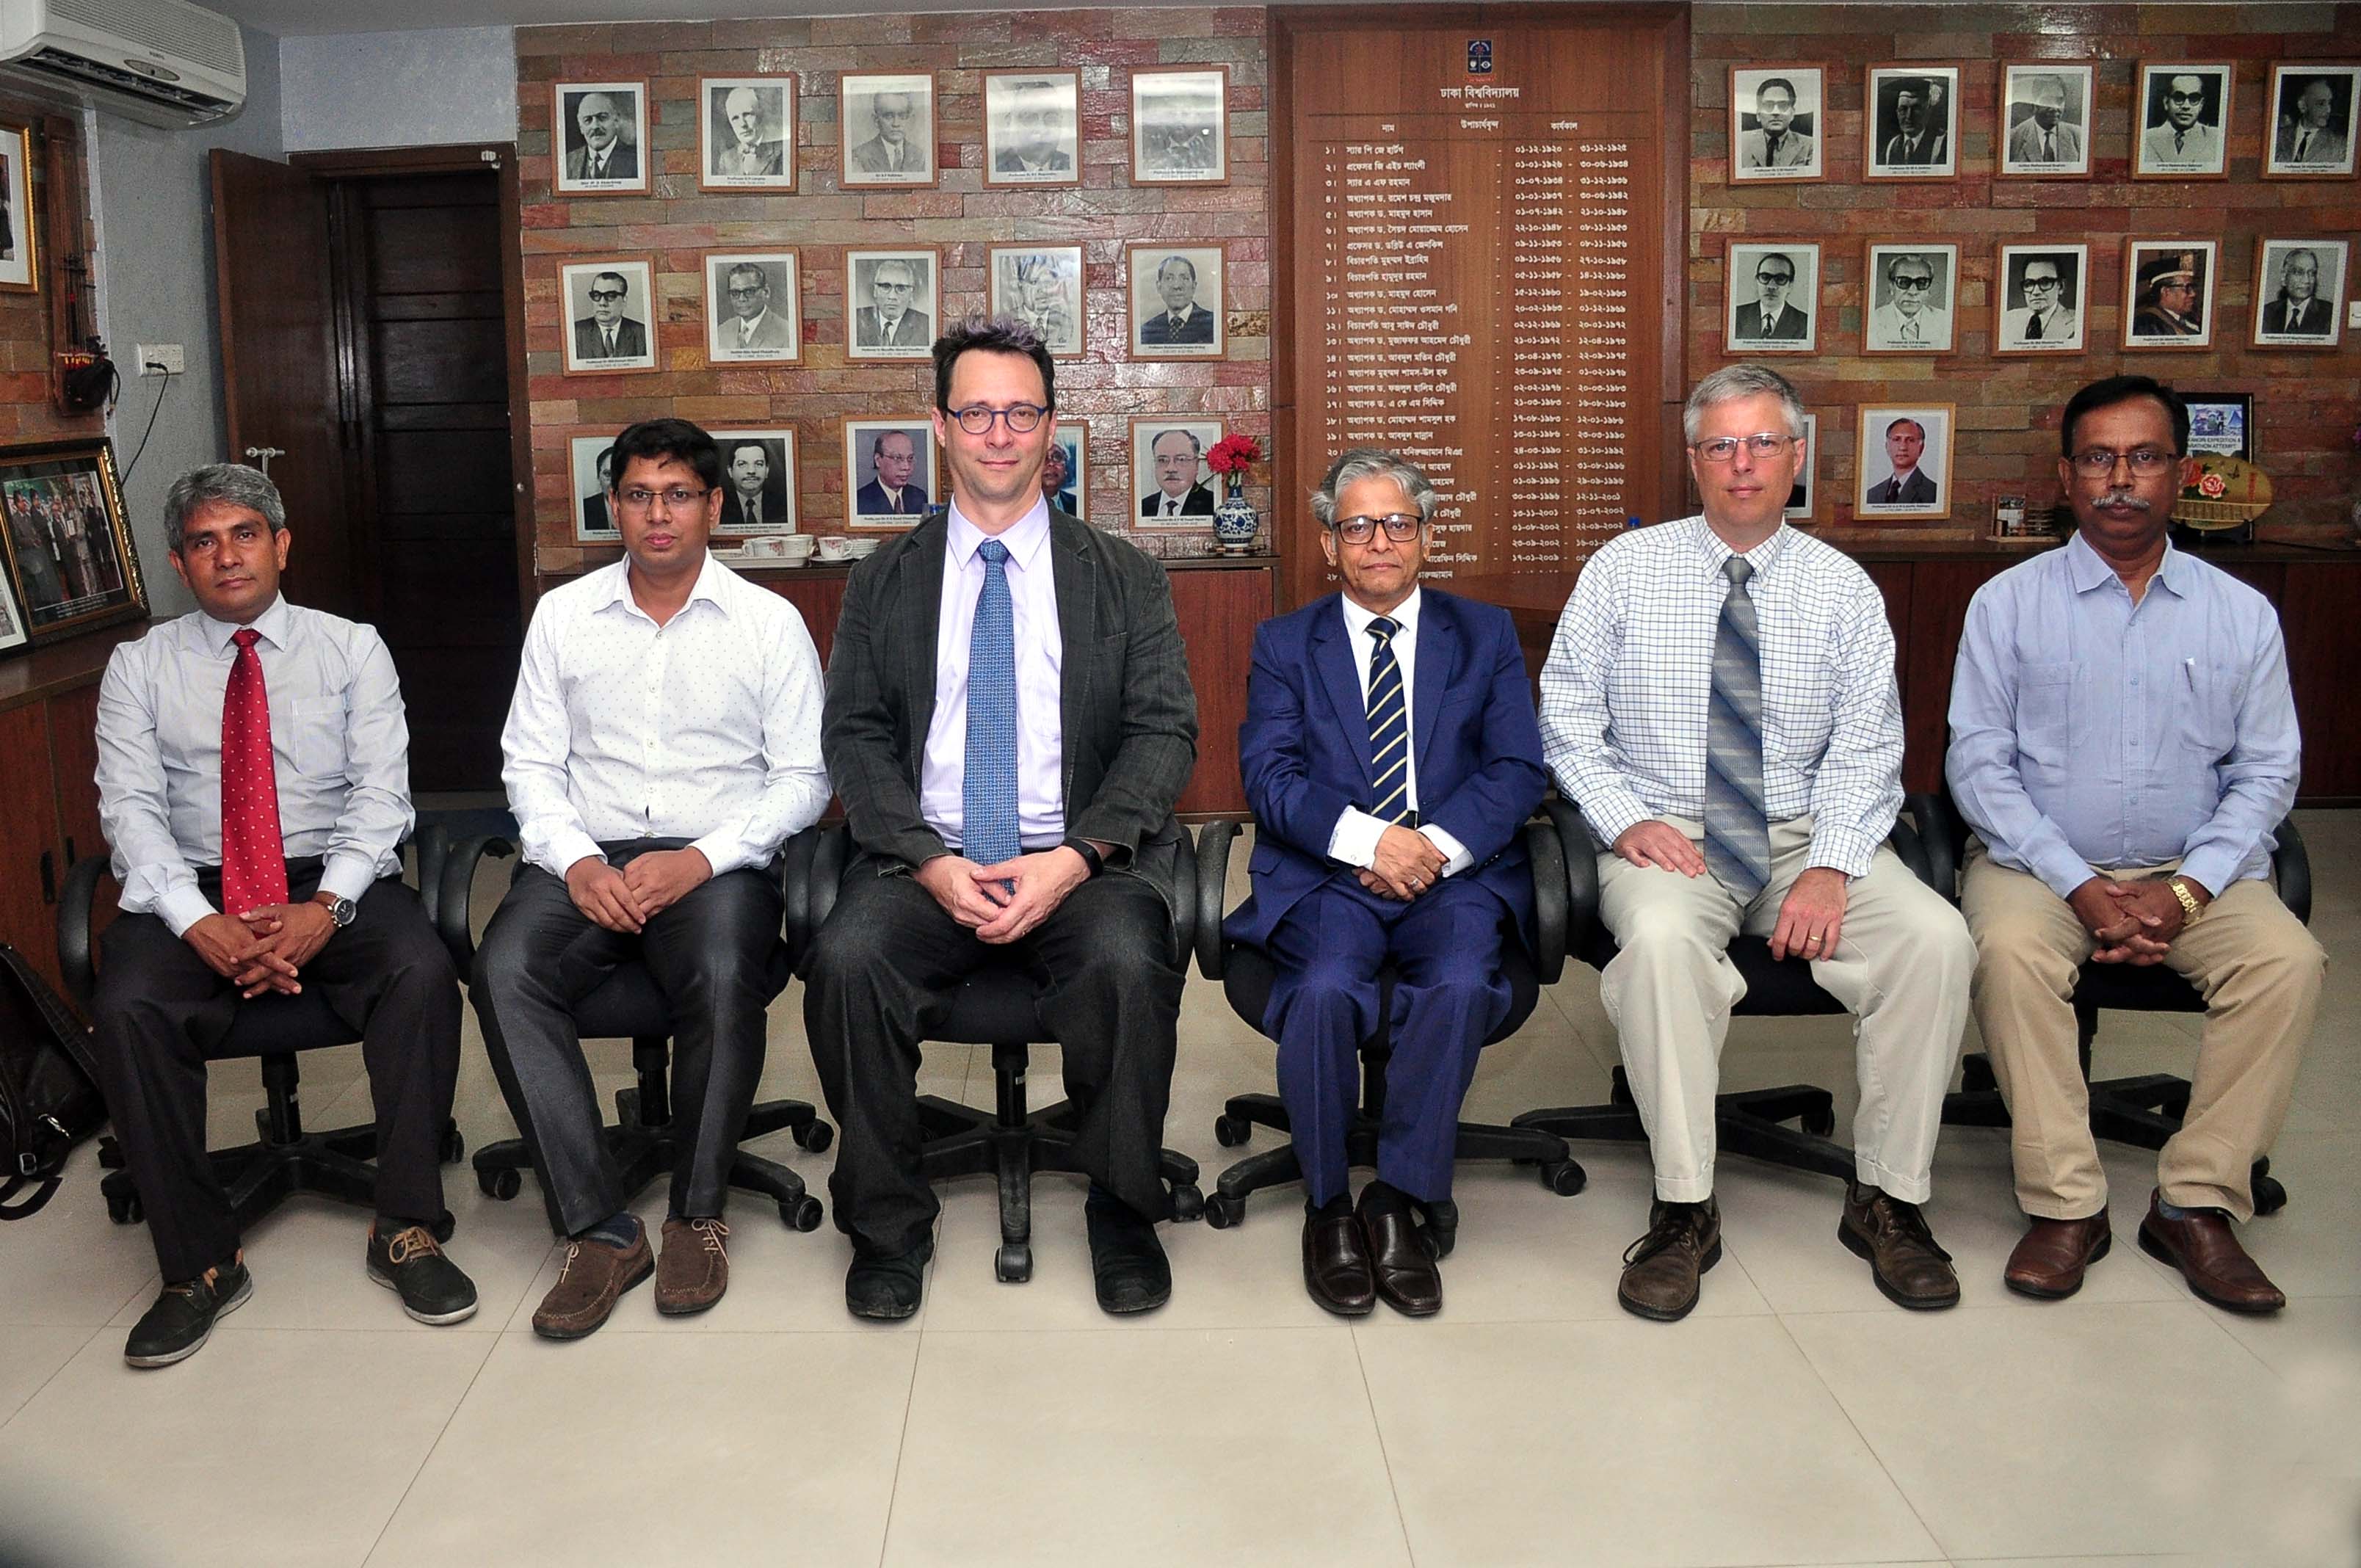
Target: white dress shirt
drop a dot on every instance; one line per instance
(338, 743)
(706, 727)
(1040, 659)
(1354, 838)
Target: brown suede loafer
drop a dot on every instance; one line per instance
(594, 1279)
(1908, 1267)
(2049, 1262)
(1337, 1265)
(2205, 1249)
(1402, 1264)
(693, 1270)
(1662, 1270)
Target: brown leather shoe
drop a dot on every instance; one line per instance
(693, 1270)
(2205, 1248)
(2049, 1262)
(1903, 1257)
(594, 1279)
(1662, 1270)
(1337, 1265)
(1401, 1265)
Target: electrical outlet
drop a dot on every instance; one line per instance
(169, 355)
(2353, 314)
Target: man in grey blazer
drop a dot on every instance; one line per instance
(1009, 723)
(2047, 136)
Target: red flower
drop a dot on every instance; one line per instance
(1233, 456)
(2212, 483)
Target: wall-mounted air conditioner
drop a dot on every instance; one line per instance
(165, 62)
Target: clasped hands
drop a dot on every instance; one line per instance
(1407, 864)
(2133, 922)
(1001, 902)
(624, 900)
(1811, 918)
(265, 949)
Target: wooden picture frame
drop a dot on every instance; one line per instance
(1889, 152)
(1875, 468)
(859, 438)
(1742, 335)
(2152, 155)
(1803, 498)
(776, 512)
(1180, 125)
(1886, 321)
(1802, 156)
(580, 329)
(865, 152)
(2276, 324)
(727, 162)
(1150, 291)
(868, 334)
(1043, 286)
(778, 330)
(72, 566)
(571, 126)
(2018, 138)
(1070, 445)
(593, 523)
(2157, 325)
(21, 228)
(2293, 85)
(2065, 323)
(1196, 509)
(1032, 128)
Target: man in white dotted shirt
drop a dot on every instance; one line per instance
(663, 743)
(1719, 701)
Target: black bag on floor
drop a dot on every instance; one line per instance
(49, 1087)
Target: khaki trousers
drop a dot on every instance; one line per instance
(2259, 972)
(1901, 967)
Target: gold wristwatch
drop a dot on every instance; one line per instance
(2190, 908)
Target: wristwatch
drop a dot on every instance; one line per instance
(2190, 908)
(1090, 853)
(343, 911)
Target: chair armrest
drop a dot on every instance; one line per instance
(796, 857)
(831, 856)
(2292, 868)
(75, 901)
(431, 841)
(1911, 850)
(1213, 842)
(1550, 901)
(1581, 858)
(1185, 914)
(1943, 838)
(455, 888)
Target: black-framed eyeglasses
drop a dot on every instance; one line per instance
(604, 296)
(679, 497)
(976, 419)
(1916, 285)
(2099, 463)
(2041, 283)
(1401, 527)
(2184, 97)
(1774, 280)
(1724, 448)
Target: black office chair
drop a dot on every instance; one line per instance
(995, 1006)
(1247, 973)
(1750, 1121)
(629, 1005)
(285, 1159)
(2146, 1111)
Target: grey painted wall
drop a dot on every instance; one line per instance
(408, 89)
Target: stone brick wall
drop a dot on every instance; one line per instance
(26, 413)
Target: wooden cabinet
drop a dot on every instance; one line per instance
(49, 791)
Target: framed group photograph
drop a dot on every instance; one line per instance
(885, 130)
(758, 480)
(2169, 293)
(1066, 470)
(2299, 293)
(2039, 291)
(1179, 125)
(1910, 123)
(2045, 122)
(20, 270)
(590, 465)
(1041, 286)
(1772, 298)
(889, 470)
(599, 138)
(890, 300)
(1774, 122)
(1176, 309)
(2310, 136)
(753, 312)
(1032, 128)
(610, 316)
(1167, 470)
(1910, 293)
(2183, 109)
(2221, 423)
(1905, 462)
(1803, 496)
(71, 565)
(746, 133)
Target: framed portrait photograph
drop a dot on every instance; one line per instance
(1066, 471)
(1909, 294)
(758, 484)
(746, 133)
(611, 315)
(885, 130)
(13, 632)
(1772, 298)
(599, 138)
(2299, 286)
(1803, 496)
(890, 303)
(2182, 115)
(1176, 300)
(2221, 423)
(1168, 475)
(1910, 120)
(1774, 122)
(1040, 285)
(590, 464)
(2309, 134)
(1032, 128)
(20, 270)
(2044, 128)
(754, 308)
(1179, 125)
(71, 565)
(1905, 467)
(2039, 291)
(2169, 293)
(889, 470)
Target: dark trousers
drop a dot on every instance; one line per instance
(161, 1014)
(712, 955)
(1448, 997)
(882, 975)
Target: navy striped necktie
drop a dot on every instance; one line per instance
(1388, 726)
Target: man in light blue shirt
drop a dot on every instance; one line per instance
(2123, 741)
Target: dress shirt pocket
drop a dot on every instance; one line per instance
(2208, 702)
(315, 735)
(2044, 712)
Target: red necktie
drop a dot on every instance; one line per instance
(253, 855)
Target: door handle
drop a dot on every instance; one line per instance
(49, 877)
(263, 455)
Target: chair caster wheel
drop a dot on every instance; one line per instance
(1231, 1131)
(815, 1137)
(444, 1227)
(1187, 1201)
(800, 1214)
(124, 1210)
(503, 1184)
(455, 1146)
(1013, 1262)
(1221, 1211)
(1563, 1177)
(1820, 1120)
(1976, 1075)
(2270, 1196)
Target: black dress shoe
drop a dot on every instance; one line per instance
(888, 1289)
(1401, 1264)
(411, 1264)
(1337, 1264)
(1128, 1263)
(177, 1325)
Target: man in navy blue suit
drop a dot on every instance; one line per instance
(1392, 757)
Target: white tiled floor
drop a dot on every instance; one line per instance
(1796, 1418)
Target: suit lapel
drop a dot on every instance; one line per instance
(922, 619)
(1075, 577)
(1332, 655)
(1438, 665)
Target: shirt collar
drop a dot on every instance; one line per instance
(1404, 615)
(1762, 557)
(271, 623)
(1025, 538)
(708, 587)
(2086, 569)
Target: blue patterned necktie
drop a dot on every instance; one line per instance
(1737, 829)
(1388, 726)
(988, 793)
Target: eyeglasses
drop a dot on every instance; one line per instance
(604, 296)
(1401, 527)
(736, 294)
(2184, 97)
(2041, 283)
(1774, 280)
(1916, 285)
(976, 419)
(677, 498)
(1724, 448)
(2098, 462)
(883, 287)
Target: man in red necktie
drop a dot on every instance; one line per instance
(254, 782)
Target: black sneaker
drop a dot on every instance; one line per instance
(411, 1264)
(177, 1325)
(887, 1289)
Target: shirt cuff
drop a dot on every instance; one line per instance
(2063, 871)
(1614, 813)
(1456, 857)
(349, 876)
(570, 846)
(1843, 850)
(2211, 867)
(1354, 840)
(182, 907)
(722, 852)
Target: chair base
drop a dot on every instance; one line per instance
(1750, 1121)
(286, 1160)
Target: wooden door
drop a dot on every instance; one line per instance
(31, 867)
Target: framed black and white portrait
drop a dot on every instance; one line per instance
(2044, 129)
(1041, 286)
(1909, 295)
(20, 271)
(1175, 308)
(758, 492)
(1776, 122)
(1032, 128)
(1910, 120)
(609, 316)
(2169, 293)
(753, 309)
(591, 468)
(1066, 469)
(2040, 293)
(1772, 298)
(1173, 486)
(1179, 125)
(2300, 287)
(599, 138)
(889, 470)
(1905, 467)
(890, 303)
(746, 133)
(885, 130)
(1803, 496)
(2310, 136)
(2181, 131)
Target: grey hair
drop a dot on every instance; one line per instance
(1732, 382)
(233, 483)
(1361, 463)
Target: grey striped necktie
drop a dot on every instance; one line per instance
(1388, 726)
(1737, 829)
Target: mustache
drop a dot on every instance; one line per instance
(2124, 501)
